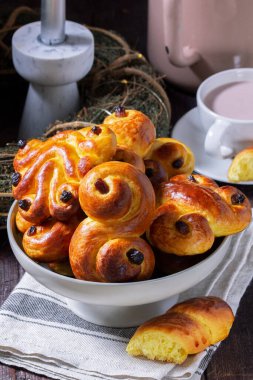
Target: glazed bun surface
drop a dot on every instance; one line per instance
(47, 174)
(124, 154)
(101, 253)
(133, 129)
(119, 195)
(187, 328)
(120, 202)
(50, 240)
(192, 211)
(173, 155)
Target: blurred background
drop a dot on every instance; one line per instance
(126, 17)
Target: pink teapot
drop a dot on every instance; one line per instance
(189, 40)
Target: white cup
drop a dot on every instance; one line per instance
(225, 136)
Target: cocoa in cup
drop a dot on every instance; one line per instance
(225, 105)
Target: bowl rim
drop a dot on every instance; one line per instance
(12, 213)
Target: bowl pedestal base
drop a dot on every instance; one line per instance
(120, 316)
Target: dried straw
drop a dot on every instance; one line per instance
(119, 76)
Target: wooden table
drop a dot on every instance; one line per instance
(234, 358)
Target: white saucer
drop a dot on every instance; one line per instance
(189, 131)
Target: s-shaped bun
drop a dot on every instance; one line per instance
(47, 174)
(192, 211)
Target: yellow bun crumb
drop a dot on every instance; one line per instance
(241, 168)
(187, 328)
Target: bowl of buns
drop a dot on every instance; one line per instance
(115, 220)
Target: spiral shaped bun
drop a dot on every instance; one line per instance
(120, 202)
(183, 234)
(50, 240)
(133, 129)
(47, 174)
(156, 173)
(119, 195)
(173, 155)
(100, 253)
(193, 211)
(21, 223)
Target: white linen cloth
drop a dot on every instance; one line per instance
(39, 332)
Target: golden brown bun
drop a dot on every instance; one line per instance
(187, 328)
(124, 154)
(47, 174)
(120, 202)
(241, 168)
(21, 223)
(50, 240)
(180, 234)
(102, 253)
(118, 195)
(156, 173)
(192, 211)
(173, 155)
(212, 312)
(132, 128)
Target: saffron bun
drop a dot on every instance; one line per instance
(173, 155)
(241, 168)
(21, 223)
(192, 211)
(119, 195)
(187, 328)
(101, 253)
(120, 202)
(50, 240)
(133, 129)
(155, 171)
(47, 174)
(124, 154)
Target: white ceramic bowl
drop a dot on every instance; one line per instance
(115, 304)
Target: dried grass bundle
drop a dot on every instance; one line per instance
(120, 76)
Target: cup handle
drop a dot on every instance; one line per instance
(213, 144)
(179, 55)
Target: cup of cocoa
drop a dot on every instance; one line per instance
(225, 106)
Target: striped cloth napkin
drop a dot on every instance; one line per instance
(38, 331)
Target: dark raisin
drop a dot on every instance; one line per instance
(192, 178)
(182, 227)
(15, 178)
(135, 256)
(21, 143)
(101, 186)
(65, 196)
(96, 130)
(120, 111)
(24, 204)
(31, 231)
(149, 172)
(177, 164)
(237, 199)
